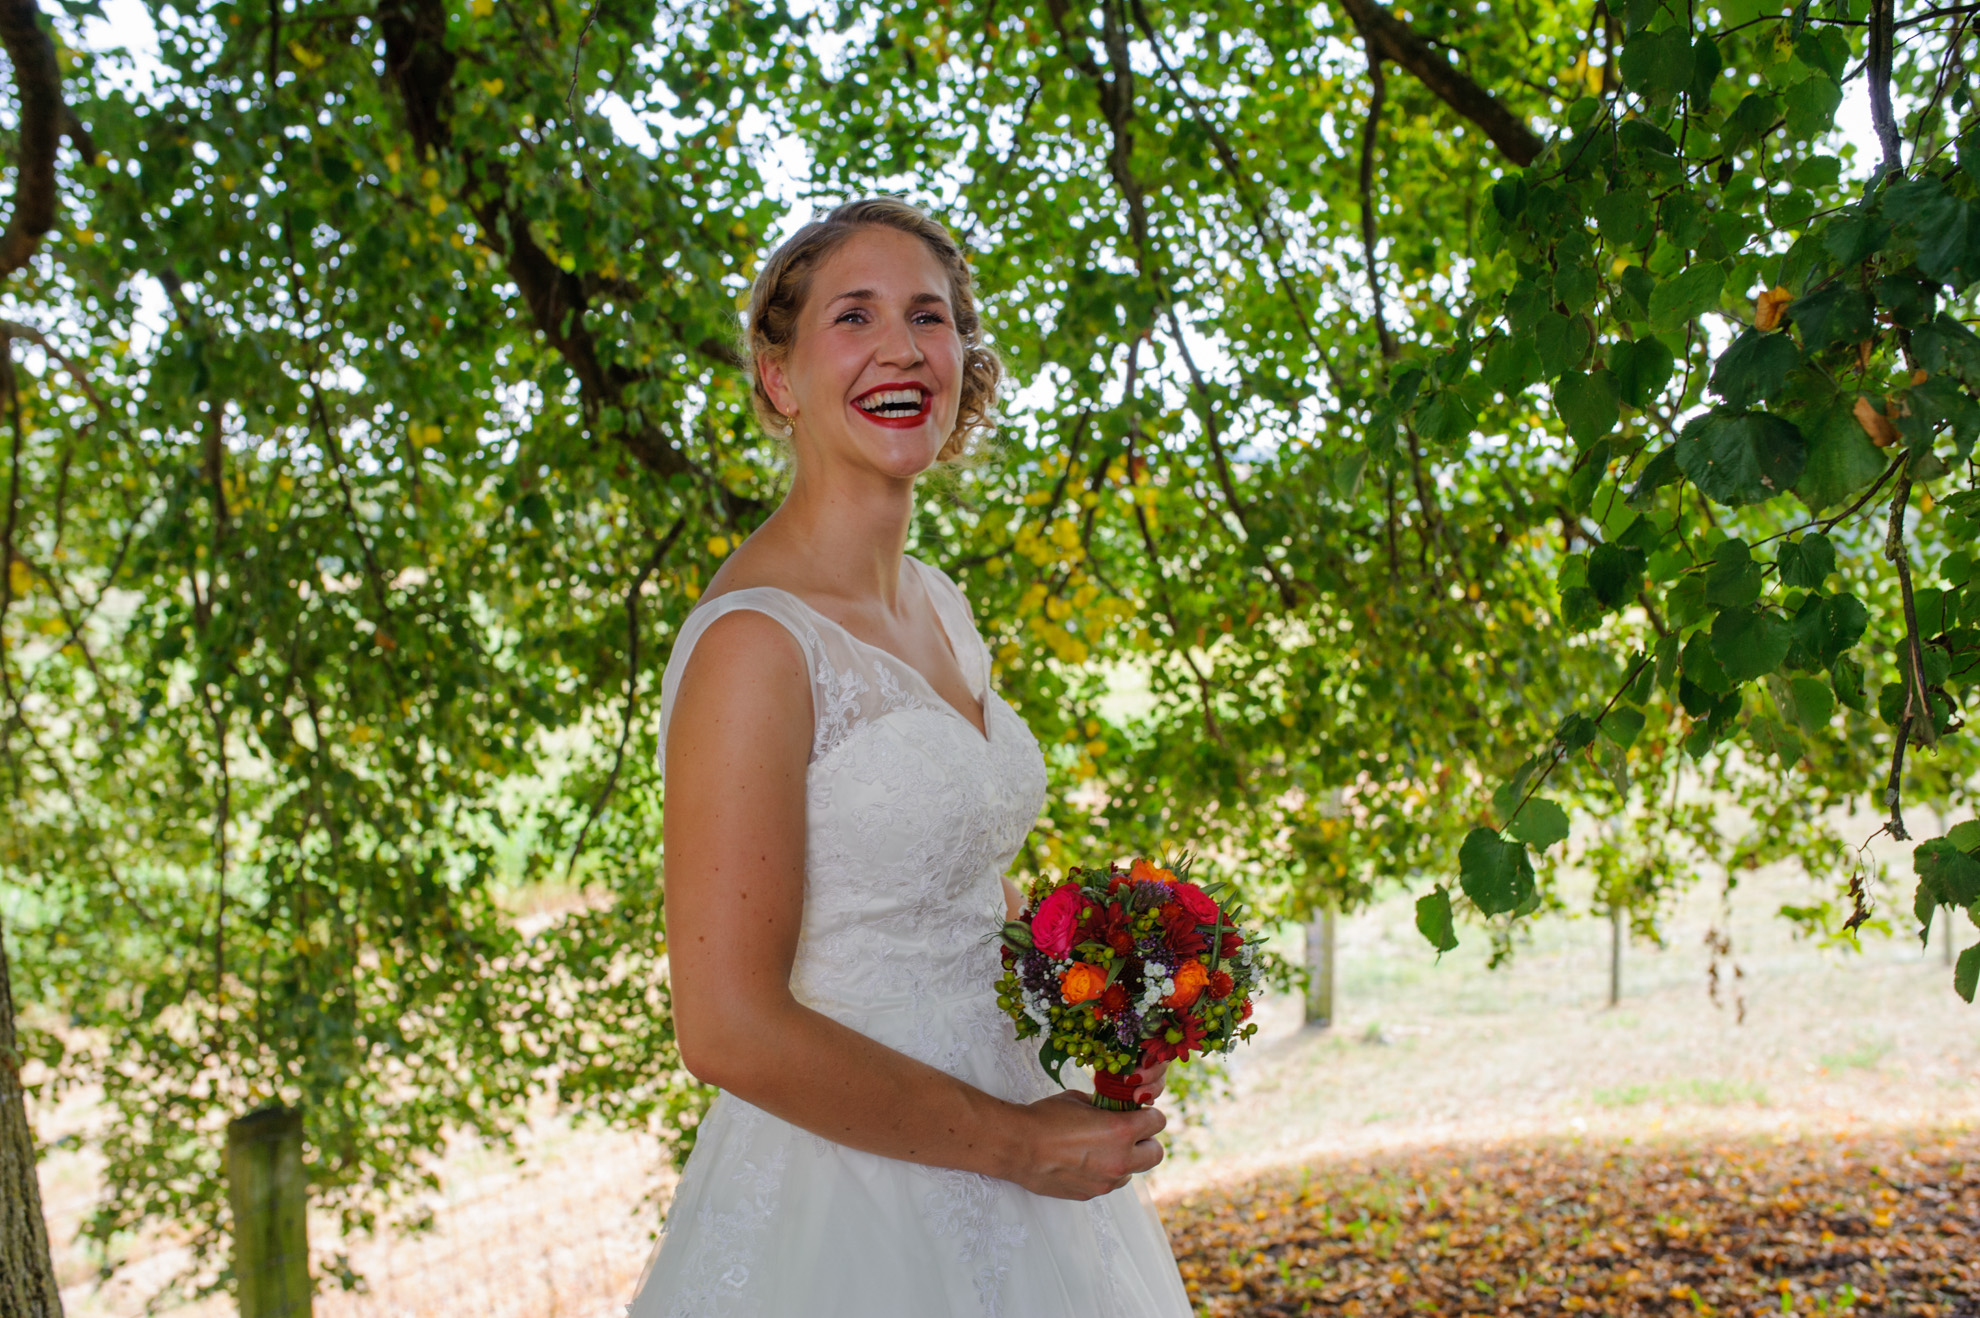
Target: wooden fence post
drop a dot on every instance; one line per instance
(1320, 968)
(269, 1195)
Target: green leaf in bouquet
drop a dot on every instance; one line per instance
(1017, 935)
(1434, 920)
(1052, 1057)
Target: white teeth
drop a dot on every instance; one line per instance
(893, 402)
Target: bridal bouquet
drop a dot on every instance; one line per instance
(1120, 968)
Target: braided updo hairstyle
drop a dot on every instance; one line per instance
(785, 281)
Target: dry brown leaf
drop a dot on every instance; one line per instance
(1875, 424)
(1767, 308)
(1880, 1225)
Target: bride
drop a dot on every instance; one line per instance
(844, 793)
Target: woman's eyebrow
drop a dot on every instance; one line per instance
(864, 294)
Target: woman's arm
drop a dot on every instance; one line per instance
(737, 744)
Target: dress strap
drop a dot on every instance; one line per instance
(770, 602)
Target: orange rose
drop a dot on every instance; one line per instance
(1190, 979)
(1144, 872)
(1083, 982)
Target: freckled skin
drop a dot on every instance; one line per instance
(740, 736)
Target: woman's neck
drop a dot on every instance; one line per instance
(846, 536)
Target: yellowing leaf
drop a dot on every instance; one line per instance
(482, 8)
(1875, 424)
(435, 204)
(492, 86)
(20, 579)
(1768, 306)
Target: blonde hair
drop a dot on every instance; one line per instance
(785, 281)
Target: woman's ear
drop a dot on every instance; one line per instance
(776, 383)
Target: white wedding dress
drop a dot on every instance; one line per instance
(912, 817)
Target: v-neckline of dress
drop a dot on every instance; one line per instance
(982, 734)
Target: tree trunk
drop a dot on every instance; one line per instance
(268, 1192)
(27, 1273)
(1320, 969)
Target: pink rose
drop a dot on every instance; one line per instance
(1058, 915)
(1197, 902)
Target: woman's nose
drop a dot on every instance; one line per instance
(899, 346)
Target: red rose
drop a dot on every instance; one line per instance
(1221, 985)
(1052, 928)
(1197, 902)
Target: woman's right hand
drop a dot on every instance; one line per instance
(1078, 1151)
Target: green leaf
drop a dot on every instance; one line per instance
(1738, 458)
(1966, 972)
(1660, 471)
(1540, 824)
(1750, 643)
(1623, 725)
(1856, 235)
(1831, 315)
(1842, 462)
(1562, 342)
(1706, 65)
(1811, 106)
(1613, 761)
(1434, 920)
(1642, 368)
(1658, 64)
(1615, 574)
(1952, 875)
(1494, 873)
(1843, 621)
(1754, 368)
(1701, 665)
(1051, 1056)
(1625, 219)
(1587, 402)
(1677, 300)
(1806, 563)
(1773, 738)
(1575, 731)
(1732, 580)
(1846, 676)
(1966, 835)
(1813, 702)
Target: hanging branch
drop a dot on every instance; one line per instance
(646, 572)
(1378, 88)
(1390, 38)
(1917, 701)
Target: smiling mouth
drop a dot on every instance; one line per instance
(894, 404)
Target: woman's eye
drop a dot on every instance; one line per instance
(850, 316)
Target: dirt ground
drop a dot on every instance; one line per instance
(1444, 1065)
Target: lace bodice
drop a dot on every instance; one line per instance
(912, 817)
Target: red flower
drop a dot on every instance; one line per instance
(1052, 927)
(1233, 940)
(1115, 928)
(1113, 1000)
(1220, 985)
(1179, 931)
(1197, 902)
(1177, 1042)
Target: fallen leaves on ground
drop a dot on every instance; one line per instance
(1883, 1224)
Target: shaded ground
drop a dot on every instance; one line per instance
(1879, 1225)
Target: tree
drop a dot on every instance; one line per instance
(1425, 432)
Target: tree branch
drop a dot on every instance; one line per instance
(1883, 15)
(1392, 39)
(43, 117)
